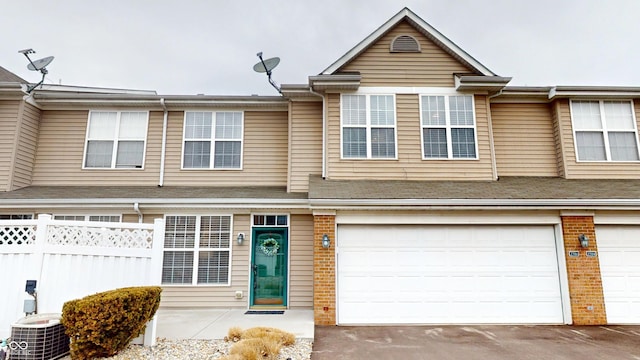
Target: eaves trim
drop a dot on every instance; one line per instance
(560, 92)
(473, 203)
(147, 203)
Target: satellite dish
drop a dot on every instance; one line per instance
(40, 64)
(265, 66)
(37, 65)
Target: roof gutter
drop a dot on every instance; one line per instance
(464, 203)
(158, 202)
(594, 91)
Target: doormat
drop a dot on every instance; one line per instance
(264, 312)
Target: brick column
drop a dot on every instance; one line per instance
(585, 281)
(324, 271)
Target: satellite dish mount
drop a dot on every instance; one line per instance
(37, 65)
(266, 66)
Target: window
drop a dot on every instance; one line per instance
(116, 139)
(197, 250)
(212, 140)
(16, 216)
(604, 130)
(270, 220)
(98, 218)
(368, 127)
(448, 127)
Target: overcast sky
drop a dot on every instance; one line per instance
(191, 47)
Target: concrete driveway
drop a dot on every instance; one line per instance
(476, 342)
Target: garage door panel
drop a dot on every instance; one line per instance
(447, 274)
(619, 255)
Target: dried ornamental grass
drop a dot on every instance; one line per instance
(259, 343)
(279, 336)
(256, 349)
(234, 334)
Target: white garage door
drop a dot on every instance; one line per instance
(447, 274)
(619, 253)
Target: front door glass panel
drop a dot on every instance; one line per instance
(269, 266)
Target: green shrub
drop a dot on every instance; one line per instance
(102, 324)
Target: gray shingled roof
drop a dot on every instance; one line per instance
(8, 76)
(150, 192)
(504, 188)
(513, 190)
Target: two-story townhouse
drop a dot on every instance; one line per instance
(405, 183)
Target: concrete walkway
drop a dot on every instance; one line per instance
(215, 323)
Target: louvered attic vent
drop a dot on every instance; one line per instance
(404, 44)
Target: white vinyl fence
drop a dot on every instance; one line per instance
(73, 259)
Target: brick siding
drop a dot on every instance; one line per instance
(324, 271)
(585, 281)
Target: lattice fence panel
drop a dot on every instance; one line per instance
(17, 235)
(99, 236)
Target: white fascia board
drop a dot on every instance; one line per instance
(157, 203)
(479, 203)
(558, 92)
(425, 26)
(53, 88)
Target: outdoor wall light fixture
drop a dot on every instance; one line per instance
(325, 241)
(240, 238)
(584, 240)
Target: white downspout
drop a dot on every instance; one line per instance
(165, 120)
(136, 208)
(324, 133)
(492, 146)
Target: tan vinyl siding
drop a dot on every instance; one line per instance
(300, 271)
(301, 261)
(409, 165)
(557, 137)
(61, 147)
(432, 67)
(306, 143)
(8, 122)
(593, 170)
(27, 144)
(264, 161)
(524, 143)
(133, 218)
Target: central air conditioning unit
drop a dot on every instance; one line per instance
(38, 337)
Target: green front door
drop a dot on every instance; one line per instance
(269, 266)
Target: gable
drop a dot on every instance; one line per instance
(430, 67)
(8, 76)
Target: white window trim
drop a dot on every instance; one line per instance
(448, 127)
(270, 214)
(213, 140)
(196, 249)
(249, 240)
(368, 127)
(605, 132)
(115, 142)
(419, 90)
